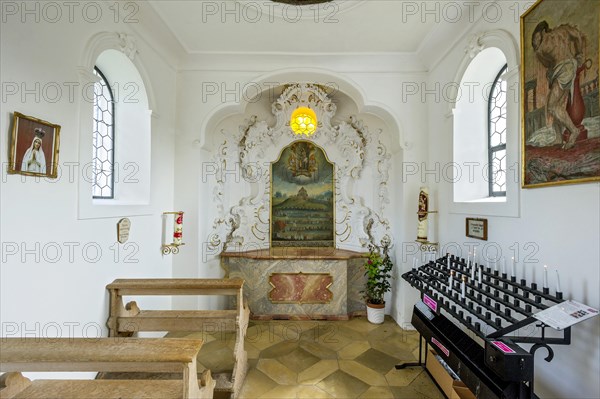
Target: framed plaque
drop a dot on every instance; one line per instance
(123, 227)
(477, 228)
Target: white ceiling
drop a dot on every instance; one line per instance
(261, 26)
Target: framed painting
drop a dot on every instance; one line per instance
(34, 147)
(302, 197)
(560, 115)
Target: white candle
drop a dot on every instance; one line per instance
(503, 265)
(473, 272)
(448, 261)
(468, 258)
(557, 282)
(414, 263)
(475, 255)
(463, 287)
(450, 282)
(496, 265)
(545, 276)
(480, 273)
(514, 267)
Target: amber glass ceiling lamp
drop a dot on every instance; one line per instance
(303, 121)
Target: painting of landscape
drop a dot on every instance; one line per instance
(302, 199)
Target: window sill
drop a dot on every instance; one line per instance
(113, 202)
(484, 200)
(491, 206)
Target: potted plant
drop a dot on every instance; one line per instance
(378, 268)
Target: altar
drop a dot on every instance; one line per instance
(300, 283)
(312, 199)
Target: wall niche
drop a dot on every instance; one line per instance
(361, 164)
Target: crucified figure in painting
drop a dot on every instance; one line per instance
(561, 51)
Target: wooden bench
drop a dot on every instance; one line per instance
(102, 355)
(125, 320)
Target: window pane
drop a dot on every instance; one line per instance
(103, 139)
(499, 172)
(497, 136)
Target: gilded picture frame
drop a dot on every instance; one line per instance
(560, 114)
(34, 147)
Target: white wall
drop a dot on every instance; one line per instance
(558, 226)
(44, 287)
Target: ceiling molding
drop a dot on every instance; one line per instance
(436, 47)
(152, 29)
(394, 63)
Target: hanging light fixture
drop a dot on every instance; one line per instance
(303, 121)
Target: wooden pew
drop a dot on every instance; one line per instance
(125, 320)
(102, 355)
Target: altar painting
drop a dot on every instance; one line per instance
(302, 198)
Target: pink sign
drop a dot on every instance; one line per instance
(503, 347)
(430, 302)
(439, 345)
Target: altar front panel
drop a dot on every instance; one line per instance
(346, 281)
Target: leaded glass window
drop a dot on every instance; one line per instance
(497, 136)
(103, 139)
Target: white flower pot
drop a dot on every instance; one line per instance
(375, 313)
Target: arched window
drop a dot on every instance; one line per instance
(103, 139)
(472, 124)
(116, 155)
(497, 136)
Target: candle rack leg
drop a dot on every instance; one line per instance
(420, 363)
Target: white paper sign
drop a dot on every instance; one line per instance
(565, 314)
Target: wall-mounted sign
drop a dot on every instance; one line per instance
(123, 227)
(477, 228)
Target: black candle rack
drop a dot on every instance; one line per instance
(490, 304)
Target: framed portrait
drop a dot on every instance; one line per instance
(34, 147)
(560, 115)
(477, 228)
